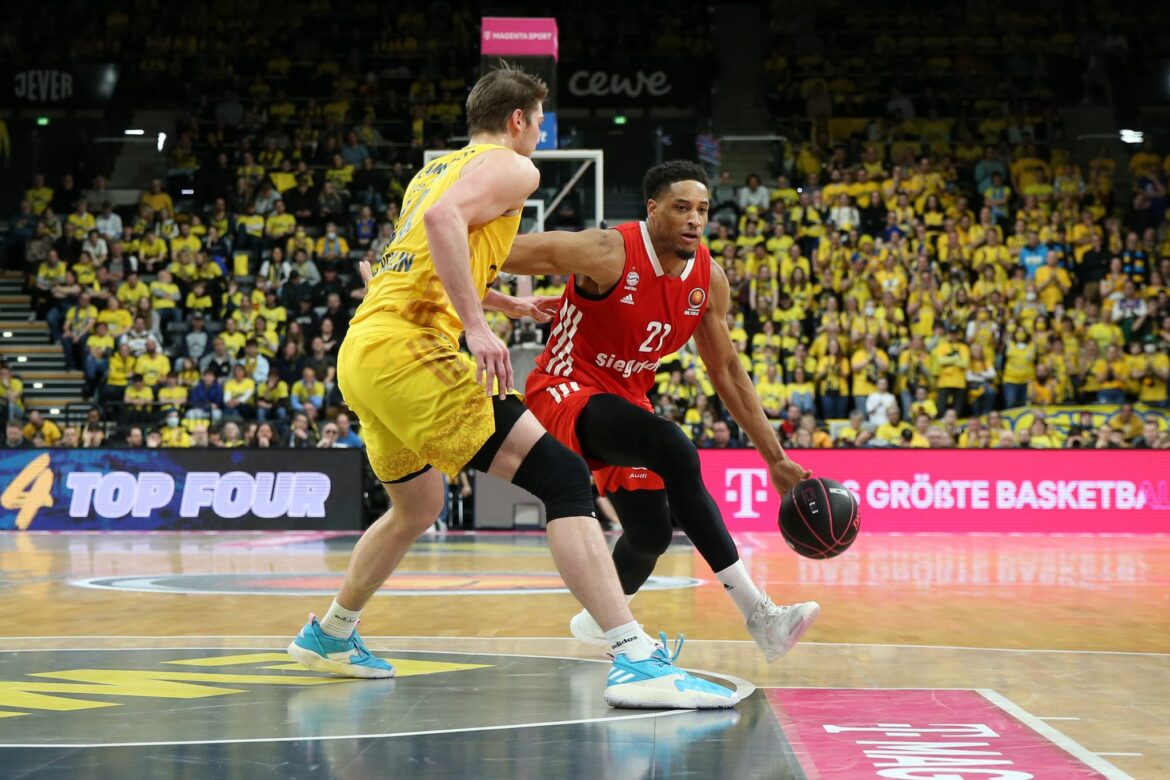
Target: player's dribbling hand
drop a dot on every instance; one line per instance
(541, 308)
(786, 474)
(493, 364)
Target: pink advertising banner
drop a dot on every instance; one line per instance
(519, 37)
(962, 491)
(849, 734)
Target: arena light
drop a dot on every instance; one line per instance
(133, 132)
(162, 139)
(1132, 136)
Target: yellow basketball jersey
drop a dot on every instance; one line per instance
(406, 287)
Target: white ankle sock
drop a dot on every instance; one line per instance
(340, 622)
(740, 587)
(629, 638)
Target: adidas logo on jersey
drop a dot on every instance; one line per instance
(628, 299)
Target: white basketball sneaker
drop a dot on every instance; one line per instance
(777, 629)
(585, 628)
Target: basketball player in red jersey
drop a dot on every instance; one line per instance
(637, 293)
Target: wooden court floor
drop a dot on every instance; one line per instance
(160, 655)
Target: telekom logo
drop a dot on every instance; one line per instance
(742, 489)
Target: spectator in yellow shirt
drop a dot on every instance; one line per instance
(38, 425)
(1019, 368)
(173, 434)
(770, 389)
(1111, 372)
(152, 251)
(239, 393)
(39, 195)
(131, 291)
(12, 388)
(157, 199)
(233, 338)
(951, 359)
(272, 398)
(279, 226)
(206, 270)
(331, 246)
(868, 364)
(79, 223)
(165, 298)
(138, 400)
(152, 364)
(117, 317)
(173, 395)
(1052, 283)
(1042, 389)
(185, 241)
(1152, 370)
(892, 431)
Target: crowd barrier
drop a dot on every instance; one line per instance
(174, 489)
(963, 491)
(909, 491)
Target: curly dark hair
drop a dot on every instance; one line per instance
(659, 178)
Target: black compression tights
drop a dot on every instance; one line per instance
(615, 431)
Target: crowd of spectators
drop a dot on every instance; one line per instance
(909, 292)
(918, 262)
(191, 326)
(898, 296)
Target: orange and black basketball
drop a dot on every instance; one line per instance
(819, 518)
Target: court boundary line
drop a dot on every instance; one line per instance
(392, 637)
(329, 738)
(1056, 737)
(94, 583)
(740, 684)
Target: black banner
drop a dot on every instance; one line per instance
(61, 86)
(596, 85)
(172, 489)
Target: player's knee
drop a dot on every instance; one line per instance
(412, 518)
(672, 451)
(649, 540)
(557, 476)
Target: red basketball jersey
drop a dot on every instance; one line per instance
(614, 342)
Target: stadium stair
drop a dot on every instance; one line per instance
(139, 159)
(25, 347)
(741, 41)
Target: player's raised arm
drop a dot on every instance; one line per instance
(599, 255)
(735, 387)
(501, 184)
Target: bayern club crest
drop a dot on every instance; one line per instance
(697, 298)
(632, 279)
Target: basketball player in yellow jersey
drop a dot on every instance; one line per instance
(426, 409)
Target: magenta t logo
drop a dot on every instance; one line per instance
(741, 489)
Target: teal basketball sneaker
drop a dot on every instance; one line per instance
(657, 684)
(346, 657)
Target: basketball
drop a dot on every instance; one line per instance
(819, 518)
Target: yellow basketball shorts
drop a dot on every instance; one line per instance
(416, 397)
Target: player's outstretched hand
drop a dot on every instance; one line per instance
(786, 474)
(541, 308)
(493, 364)
(366, 271)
